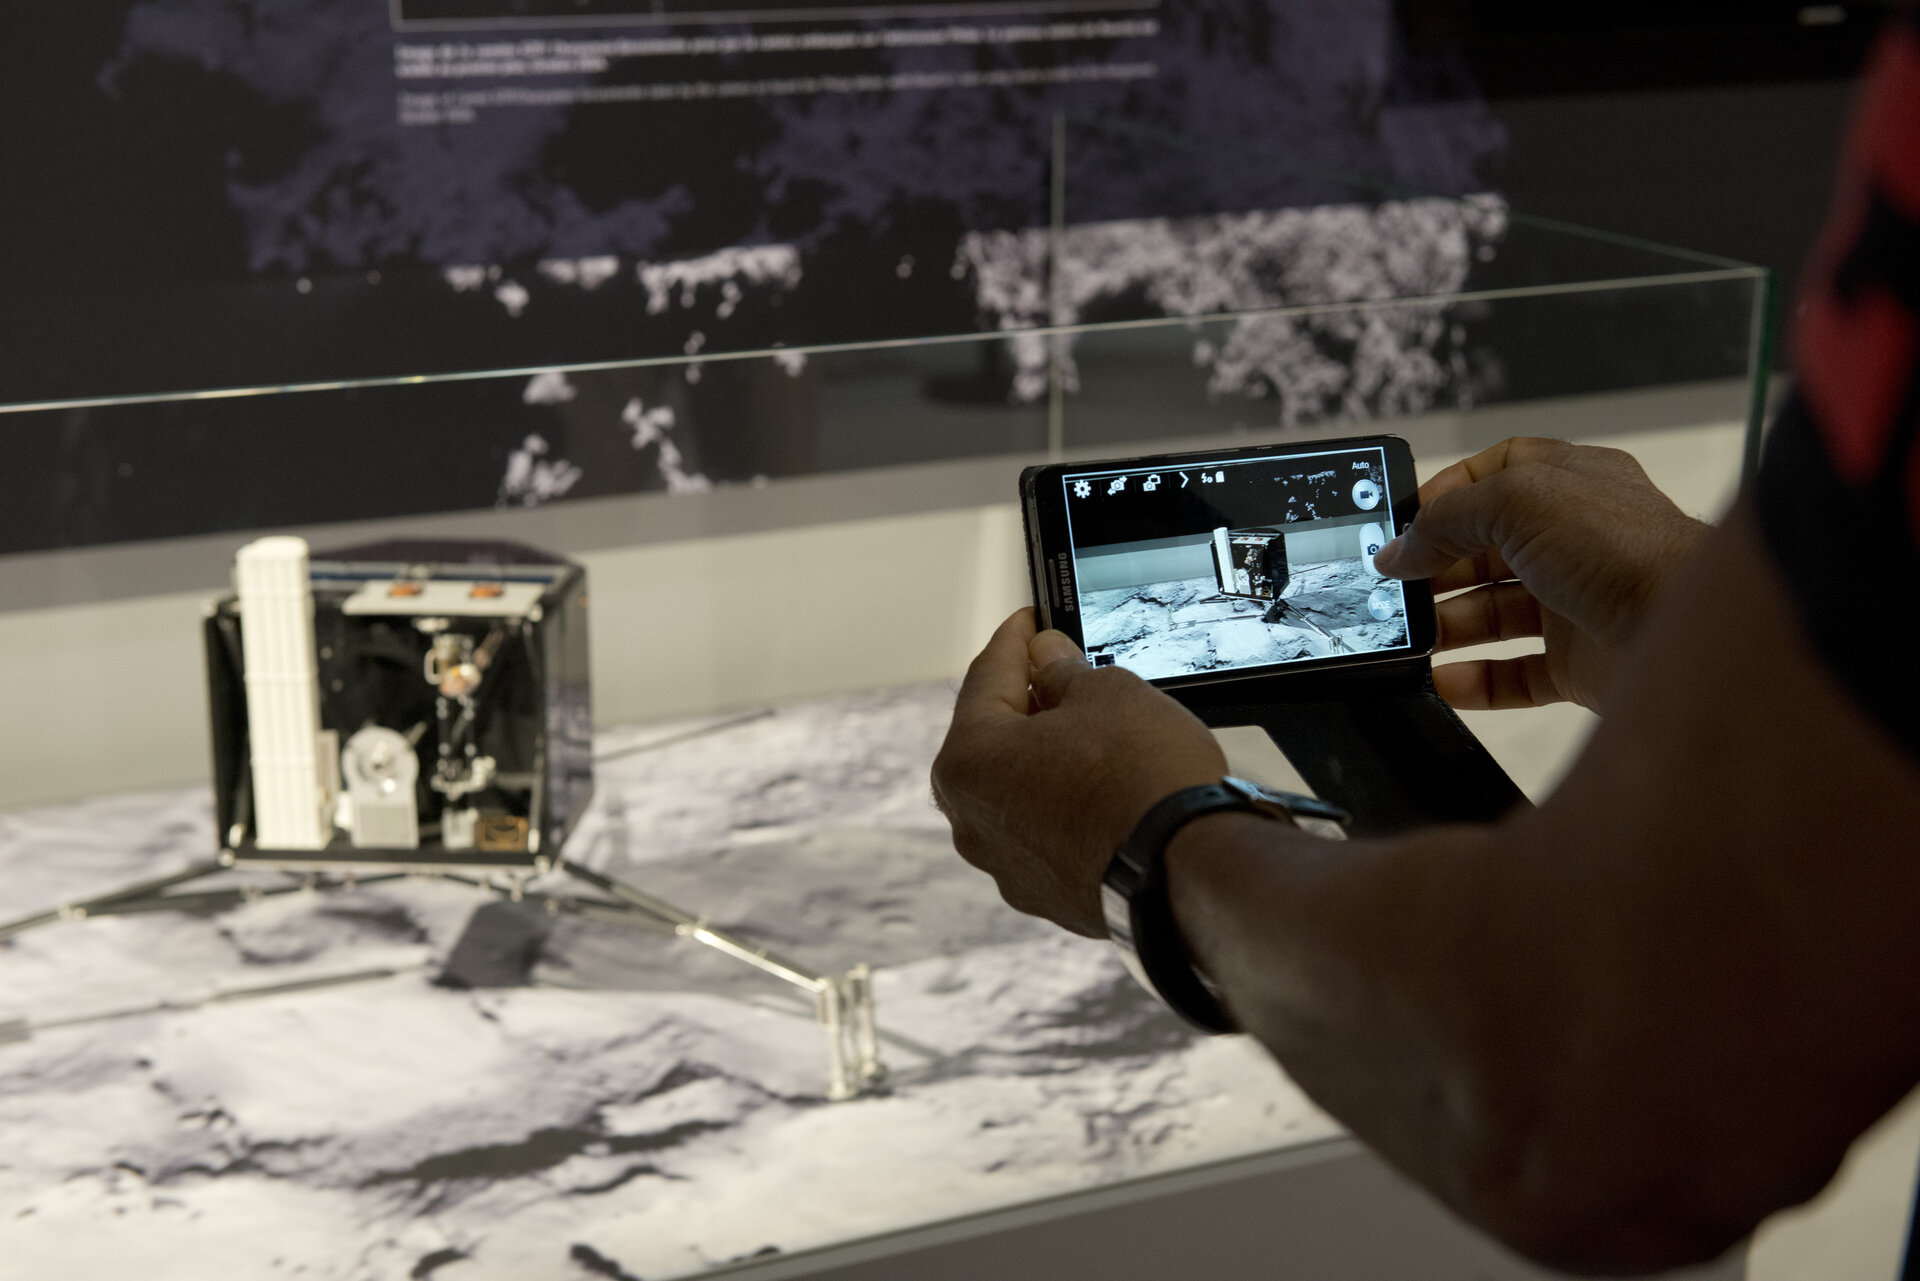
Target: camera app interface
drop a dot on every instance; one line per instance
(1211, 567)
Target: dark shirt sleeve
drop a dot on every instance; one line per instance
(1839, 487)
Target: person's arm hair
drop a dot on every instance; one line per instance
(1619, 1030)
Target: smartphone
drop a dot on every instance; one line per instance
(1187, 568)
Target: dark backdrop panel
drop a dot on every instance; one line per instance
(162, 231)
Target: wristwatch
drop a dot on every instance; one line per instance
(1139, 912)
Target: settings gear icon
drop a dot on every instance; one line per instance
(1083, 489)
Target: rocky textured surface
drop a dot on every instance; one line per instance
(642, 1107)
(1185, 626)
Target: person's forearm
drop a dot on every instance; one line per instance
(1620, 1029)
(1460, 1001)
(1379, 975)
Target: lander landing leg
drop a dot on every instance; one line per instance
(1285, 611)
(842, 1002)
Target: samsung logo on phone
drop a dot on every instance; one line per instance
(1063, 582)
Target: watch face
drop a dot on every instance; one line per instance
(1261, 794)
(1310, 814)
(1246, 787)
(1117, 908)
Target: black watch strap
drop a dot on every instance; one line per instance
(1139, 911)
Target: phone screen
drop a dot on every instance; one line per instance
(1199, 567)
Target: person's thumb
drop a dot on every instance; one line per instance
(1056, 662)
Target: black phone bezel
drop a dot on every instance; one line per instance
(1050, 555)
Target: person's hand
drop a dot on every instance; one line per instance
(1571, 543)
(1050, 763)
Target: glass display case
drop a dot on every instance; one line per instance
(792, 549)
(274, 1062)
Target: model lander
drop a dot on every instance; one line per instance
(424, 710)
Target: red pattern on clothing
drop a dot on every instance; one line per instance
(1855, 359)
(1913, 493)
(1887, 150)
(1855, 355)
